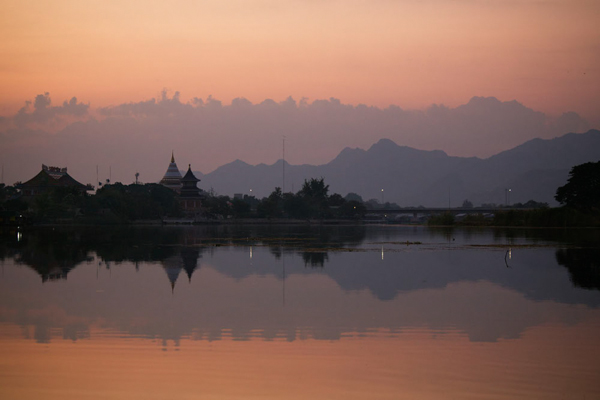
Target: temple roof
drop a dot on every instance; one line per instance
(189, 176)
(53, 176)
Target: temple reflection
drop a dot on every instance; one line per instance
(286, 284)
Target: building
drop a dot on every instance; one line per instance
(189, 195)
(172, 178)
(48, 178)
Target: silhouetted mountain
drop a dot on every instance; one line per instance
(414, 177)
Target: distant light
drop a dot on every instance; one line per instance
(19, 236)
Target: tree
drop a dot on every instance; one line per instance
(335, 200)
(582, 190)
(271, 206)
(353, 197)
(240, 208)
(352, 209)
(315, 188)
(314, 196)
(467, 204)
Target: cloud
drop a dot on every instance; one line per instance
(153, 108)
(139, 136)
(41, 111)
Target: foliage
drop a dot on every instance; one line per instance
(467, 204)
(218, 206)
(240, 208)
(311, 201)
(531, 204)
(477, 219)
(135, 202)
(546, 217)
(353, 197)
(272, 206)
(352, 209)
(445, 219)
(582, 190)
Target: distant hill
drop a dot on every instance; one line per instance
(412, 177)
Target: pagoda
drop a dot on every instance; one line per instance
(189, 194)
(172, 178)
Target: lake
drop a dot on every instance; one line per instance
(297, 312)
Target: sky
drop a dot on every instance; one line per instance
(71, 69)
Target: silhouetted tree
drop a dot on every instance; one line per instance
(271, 206)
(335, 200)
(314, 196)
(582, 190)
(352, 209)
(240, 208)
(314, 188)
(353, 197)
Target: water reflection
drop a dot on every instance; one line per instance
(583, 265)
(293, 282)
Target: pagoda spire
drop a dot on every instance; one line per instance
(172, 178)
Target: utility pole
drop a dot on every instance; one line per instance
(283, 167)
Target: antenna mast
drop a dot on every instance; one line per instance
(283, 166)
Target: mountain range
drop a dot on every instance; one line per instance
(411, 177)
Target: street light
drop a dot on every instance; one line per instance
(507, 196)
(381, 196)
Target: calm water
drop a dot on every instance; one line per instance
(369, 312)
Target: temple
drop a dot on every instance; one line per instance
(48, 178)
(190, 196)
(172, 178)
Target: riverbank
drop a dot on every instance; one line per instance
(561, 217)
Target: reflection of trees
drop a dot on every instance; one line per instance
(290, 239)
(136, 244)
(45, 321)
(53, 254)
(583, 266)
(314, 258)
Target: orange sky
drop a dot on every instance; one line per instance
(544, 53)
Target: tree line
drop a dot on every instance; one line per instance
(118, 203)
(312, 201)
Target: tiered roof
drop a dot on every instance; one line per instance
(189, 182)
(172, 178)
